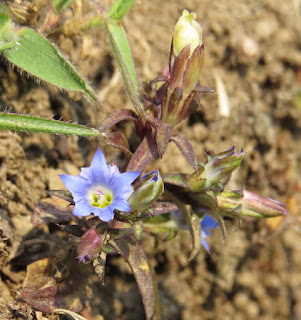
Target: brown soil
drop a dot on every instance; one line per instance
(254, 47)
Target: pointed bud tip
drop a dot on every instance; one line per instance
(187, 31)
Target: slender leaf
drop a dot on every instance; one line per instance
(144, 154)
(123, 54)
(37, 56)
(19, 122)
(120, 8)
(116, 117)
(60, 5)
(134, 255)
(4, 9)
(186, 149)
(6, 32)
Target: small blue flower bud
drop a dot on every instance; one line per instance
(147, 191)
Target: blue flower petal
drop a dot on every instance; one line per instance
(75, 184)
(205, 244)
(98, 161)
(82, 208)
(125, 179)
(122, 206)
(104, 214)
(207, 224)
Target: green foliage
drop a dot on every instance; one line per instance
(6, 35)
(3, 9)
(37, 56)
(60, 5)
(18, 122)
(120, 8)
(123, 55)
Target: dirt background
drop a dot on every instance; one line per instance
(254, 48)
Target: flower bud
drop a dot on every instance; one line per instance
(257, 206)
(187, 31)
(182, 93)
(247, 203)
(89, 246)
(147, 192)
(217, 170)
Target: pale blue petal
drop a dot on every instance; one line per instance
(86, 173)
(207, 224)
(99, 167)
(78, 197)
(122, 206)
(82, 208)
(123, 192)
(104, 214)
(205, 244)
(125, 179)
(114, 172)
(74, 184)
(98, 161)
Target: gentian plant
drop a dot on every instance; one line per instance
(112, 207)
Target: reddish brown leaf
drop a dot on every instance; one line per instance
(145, 153)
(51, 210)
(186, 149)
(116, 117)
(119, 141)
(163, 133)
(41, 290)
(132, 252)
(159, 208)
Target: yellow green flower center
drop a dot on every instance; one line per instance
(100, 197)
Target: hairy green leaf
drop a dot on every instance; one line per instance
(39, 57)
(60, 5)
(4, 9)
(123, 54)
(18, 122)
(120, 8)
(7, 40)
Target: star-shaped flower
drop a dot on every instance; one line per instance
(100, 189)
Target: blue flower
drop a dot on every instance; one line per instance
(207, 224)
(100, 189)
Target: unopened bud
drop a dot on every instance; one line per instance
(217, 170)
(147, 192)
(89, 246)
(257, 206)
(182, 96)
(187, 31)
(247, 203)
